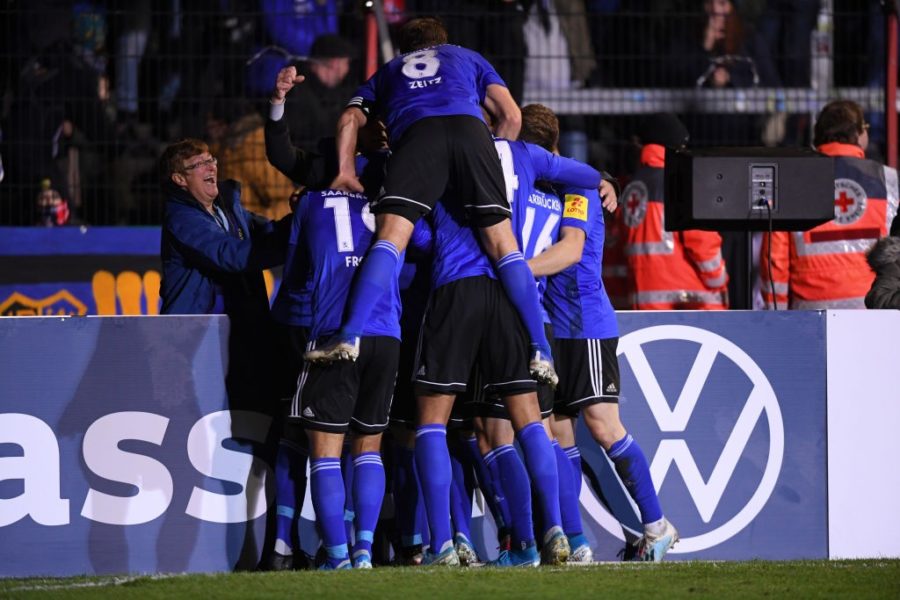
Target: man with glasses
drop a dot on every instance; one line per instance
(213, 254)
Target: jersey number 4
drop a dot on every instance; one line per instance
(343, 227)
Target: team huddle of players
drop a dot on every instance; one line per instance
(478, 306)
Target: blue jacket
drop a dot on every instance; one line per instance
(199, 257)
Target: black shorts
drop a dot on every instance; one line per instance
(450, 157)
(465, 407)
(403, 408)
(471, 321)
(493, 406)
(588, 374)
(345, 394)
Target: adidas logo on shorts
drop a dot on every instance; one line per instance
(307, 412)
(611, 389)
(421, 371)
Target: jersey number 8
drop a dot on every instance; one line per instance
(421, 64)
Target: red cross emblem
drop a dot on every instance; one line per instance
(850, 201)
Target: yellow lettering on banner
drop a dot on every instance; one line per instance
(60, 303)
(124, 293)
(576, 207)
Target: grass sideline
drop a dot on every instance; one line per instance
(794, 579)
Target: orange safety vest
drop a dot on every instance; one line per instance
(615, 263)
(826, 266)
(668, 270)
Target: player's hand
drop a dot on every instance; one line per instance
(608, 195)
(347, 182)
(285, 81)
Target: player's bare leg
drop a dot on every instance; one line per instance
(606, 428)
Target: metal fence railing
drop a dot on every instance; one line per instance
(93, 90)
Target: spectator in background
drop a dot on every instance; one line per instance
(668, 270)
(58, 120)
(134, 29)
(885, 261)
(52, 208)
(295, 24)
(560, 57)
(312, 109)
(493, 28)
(236, 134)
(784, 28)
(826, 266)
(717, 51)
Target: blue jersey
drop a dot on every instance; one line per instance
(293, 303)
(439, 81)
(457, 251)
(337, 228)
(575, 298)
(536, 213)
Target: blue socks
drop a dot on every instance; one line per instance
(518, 281)
(347, 472)
(407, 497)
(502, 517)
(569, 506)
(517, 489)
(485, 482)
(327, 491)
(541, 463)
(433, 466)
(376, 274)
(575, 459)
(632, 467)
(460, 497)
(290, 486)
(368, 493)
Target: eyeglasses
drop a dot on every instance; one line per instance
(203, 163)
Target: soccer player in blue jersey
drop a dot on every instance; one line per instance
(537, 212)
(586, 332)
(335, 228)
(466, 296)
(470, 320)
(430, 98)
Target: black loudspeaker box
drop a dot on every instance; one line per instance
(741, 189)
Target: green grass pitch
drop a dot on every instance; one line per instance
(756, 579)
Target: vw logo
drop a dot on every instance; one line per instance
(672, 419)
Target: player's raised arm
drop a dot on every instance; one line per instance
(349, 124)
(507, 117)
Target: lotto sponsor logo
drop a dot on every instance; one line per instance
(576, 207)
